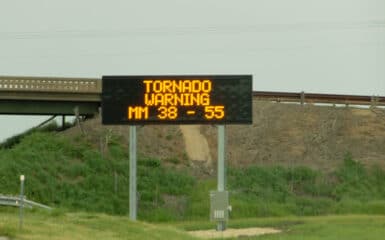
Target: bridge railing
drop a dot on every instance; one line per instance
(303, 97)
(48, 89)
(46, 84)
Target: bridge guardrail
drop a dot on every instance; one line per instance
(47, 84)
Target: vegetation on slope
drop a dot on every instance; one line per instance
(16, 139)
(72, 174)
(278, 191)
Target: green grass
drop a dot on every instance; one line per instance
(58, 225)
(74, 175)
(331, 228)
(349, 227)
(82, 226)
(277, 191)
(71, 174)
(16, 139)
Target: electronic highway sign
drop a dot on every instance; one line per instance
(185, 99)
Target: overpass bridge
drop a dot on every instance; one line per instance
(49, 95)
(72, 96)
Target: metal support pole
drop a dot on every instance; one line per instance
(63, 122)
(77, 117)
(302, 98)
(21, 204)
(221, 167)
(133, 204)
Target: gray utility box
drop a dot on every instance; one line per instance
(219, 206)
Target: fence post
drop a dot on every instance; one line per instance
(21, 204)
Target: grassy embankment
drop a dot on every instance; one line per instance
(73, 175)
(89, 226)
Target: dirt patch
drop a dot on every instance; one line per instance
(234, 233)
(197, 147)
(363, 112)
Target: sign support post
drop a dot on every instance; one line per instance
(221, 226)
(133, 204)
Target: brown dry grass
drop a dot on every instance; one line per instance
(284, 134)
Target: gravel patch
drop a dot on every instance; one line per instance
(242, 232)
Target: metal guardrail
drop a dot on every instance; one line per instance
(303, 97)
(14, 201)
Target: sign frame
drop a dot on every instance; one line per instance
(226, 99)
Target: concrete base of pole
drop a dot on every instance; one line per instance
(221, 226)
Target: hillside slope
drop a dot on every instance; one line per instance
(309, 135)
(89, 171)
(284, 134)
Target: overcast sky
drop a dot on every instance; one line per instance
(323, 46)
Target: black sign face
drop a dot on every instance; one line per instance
(138, 100)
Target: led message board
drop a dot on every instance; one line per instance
(138, 100)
